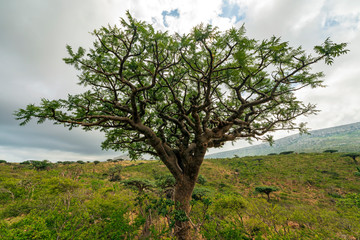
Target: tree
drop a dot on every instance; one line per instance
(267, 190)
(41, 165)
(176, 96)
(330, 151)
(114, 173)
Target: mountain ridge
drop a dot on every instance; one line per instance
(344, 138)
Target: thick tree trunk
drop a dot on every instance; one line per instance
(183, 192)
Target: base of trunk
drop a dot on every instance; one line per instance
(183, 192)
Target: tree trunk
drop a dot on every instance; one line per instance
(183, 192)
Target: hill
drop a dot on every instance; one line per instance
(345, 138)
(317, 197)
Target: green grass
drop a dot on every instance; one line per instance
(317, 197)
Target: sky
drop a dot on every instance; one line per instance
(33, 36)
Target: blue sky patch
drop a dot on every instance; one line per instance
(172, 13)
(331, 22)
(230, 10)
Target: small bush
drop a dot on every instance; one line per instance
(41, 165)
(114, 173)
(201, 180)
(330, 151)
(165, 181)
(286, 153)
(200, 193)
(139, 184)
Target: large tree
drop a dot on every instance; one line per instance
(175, 96)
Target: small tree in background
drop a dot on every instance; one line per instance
(267, 190)
(174, 97)
(286, 152)
(41, 165)
(330, 151)
(114, 173)
(141, 185)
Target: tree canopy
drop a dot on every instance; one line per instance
(147, 87)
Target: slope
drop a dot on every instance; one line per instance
(345, 138)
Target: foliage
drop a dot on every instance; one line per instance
(139, 184)
(266, 189)
(286, 152)
(165, 181)
(41, 165)
(201, 180)
(200, 193)
(350, 200)
(114, 173)
(3, 161)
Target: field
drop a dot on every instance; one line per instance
(312, 196)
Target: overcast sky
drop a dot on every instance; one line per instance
(34, 34)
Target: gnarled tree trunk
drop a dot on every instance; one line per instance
(183, 192)
(184, 187)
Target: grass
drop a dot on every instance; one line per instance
(317, 197)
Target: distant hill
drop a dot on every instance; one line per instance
(345, 138)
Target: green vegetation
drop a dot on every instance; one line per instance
(267, 190)
(317, 197)
(353, 156)
(330, 151)
(286, 152)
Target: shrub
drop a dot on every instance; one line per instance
(28, 162)
(139, 184)
(286, 153)
(330, 151)
(200, 193)
(165, 181)
(3, 161)
(41, 165)
(114, 173)
(201, 180)
(350, 200)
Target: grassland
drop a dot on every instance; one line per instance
(317, 197)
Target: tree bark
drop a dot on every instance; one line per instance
(183, 192)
